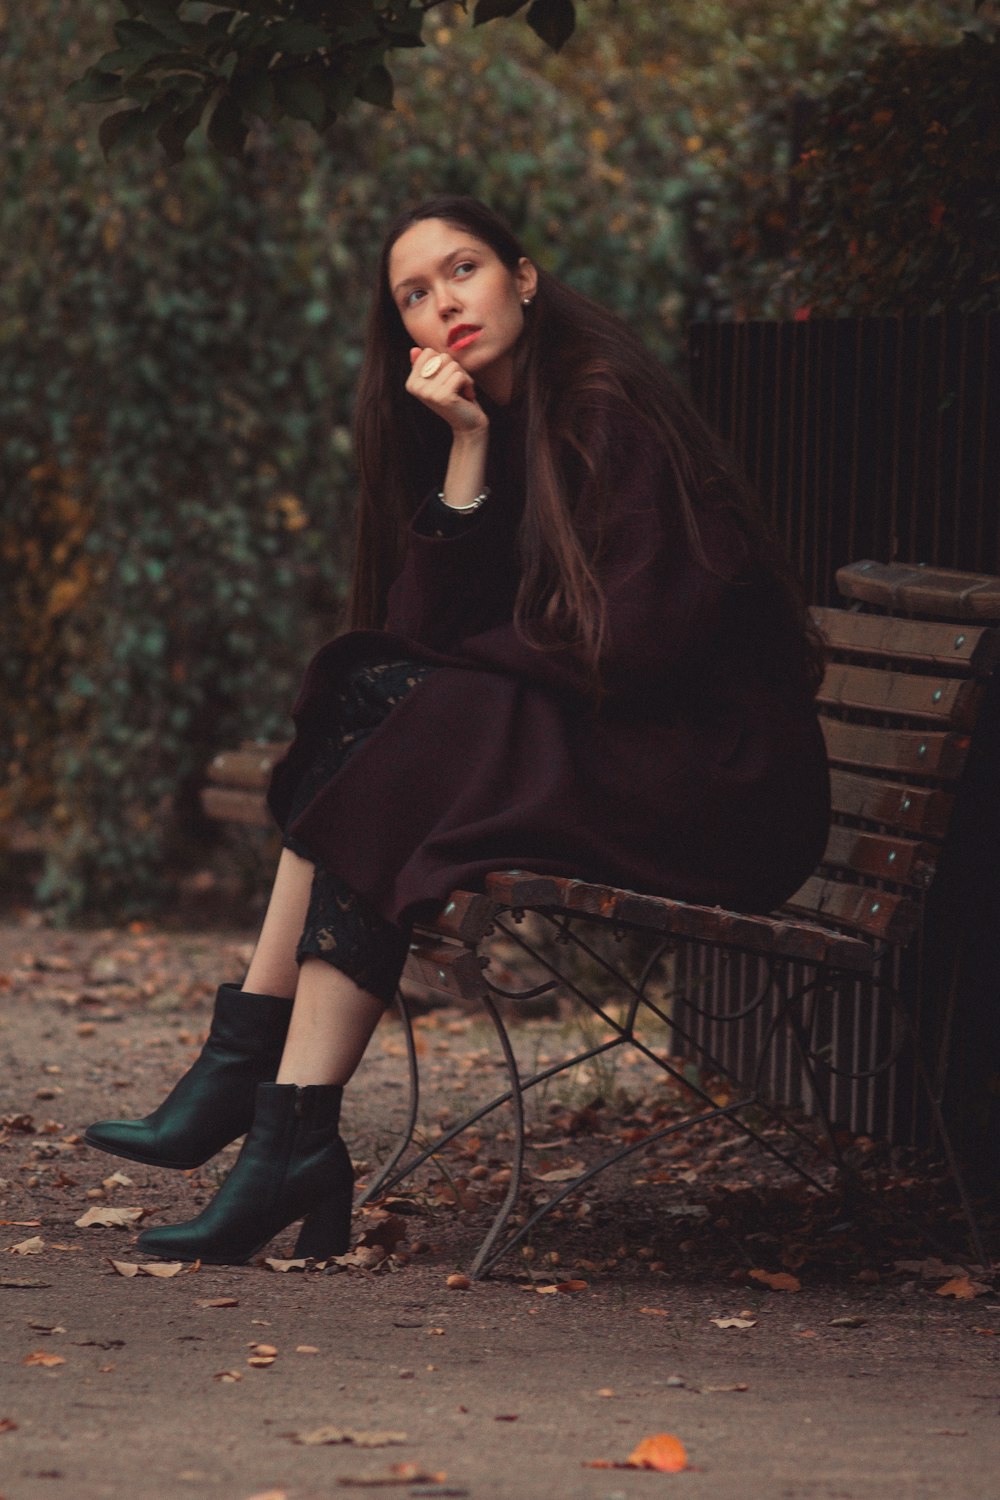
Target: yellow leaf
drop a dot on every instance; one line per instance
(663, 1452)
(34, 1246)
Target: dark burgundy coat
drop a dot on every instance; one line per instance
(702, 776)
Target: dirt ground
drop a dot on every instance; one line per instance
(863, 1363)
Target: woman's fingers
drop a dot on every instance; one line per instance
(440, 383)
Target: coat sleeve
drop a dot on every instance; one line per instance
(666, 608)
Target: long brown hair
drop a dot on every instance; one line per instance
(582, 374)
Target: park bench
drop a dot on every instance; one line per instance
(755, 1000)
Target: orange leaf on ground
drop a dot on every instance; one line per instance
(778, 1281)
(662, 1452)
(962, 1287)
(47, 1361)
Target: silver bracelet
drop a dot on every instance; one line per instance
(481, 498)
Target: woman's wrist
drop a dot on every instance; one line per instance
(465, 479)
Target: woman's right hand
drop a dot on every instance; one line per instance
(447, 391)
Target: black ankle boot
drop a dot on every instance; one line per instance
(214, 1102)
(293, 1162)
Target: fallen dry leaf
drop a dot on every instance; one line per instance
(217, 1302)
(962, 1287)
(47, 1361)
(716, 1390)
(34, 1246)
(778, 1281)
(109, 1218)
(734, 1322)
(45, 1327)
(851, 1320)
(228, 1377)
(306, 1349)
(655, 1312)
(163, 1269)
(561, 1174)
(404, 1473)
(261, 1361)
(321, 1437)
(269, 1495)
(285, 1265)
(662, 1452)
(6, 1425)
(264, 1349)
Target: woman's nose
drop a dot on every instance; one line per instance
(447, 302)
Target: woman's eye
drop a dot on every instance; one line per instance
(464, 266)
(410, 299)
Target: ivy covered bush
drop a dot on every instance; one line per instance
(900, 181)
(179, 346)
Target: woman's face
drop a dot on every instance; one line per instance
(455, 295)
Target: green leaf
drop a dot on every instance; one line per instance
(126, 128)
(376, 87)
(173, 133)
(492, 10)
(95, 87)
(163, 15)
(553, 20)
(227, 129)
(296, 38)
(300, 95)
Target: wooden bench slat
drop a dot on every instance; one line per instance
(901, 860)
(235, 805)
(777, 937)
(248, 767)
(943, 700)
(906, 589)
(880, 914)
(910, 809)
(905, 751)
(446, 967)
(969, 648)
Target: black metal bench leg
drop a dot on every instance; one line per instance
(483, 1258)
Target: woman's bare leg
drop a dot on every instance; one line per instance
(332, 1021)
(273, 969)
(332, 1018)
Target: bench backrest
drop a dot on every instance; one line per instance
(898, 703)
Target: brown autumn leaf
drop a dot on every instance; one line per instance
(261, 1361)
(217, 1302)
(403, 1473)
(269, 1495)
(34, 1246)
(7, 1425)
(274, 1264)
(163, 1269)
(384, 1229)
(456, 1282)
(662, 1452)
(734, 1322)
(228, 1377)
(306, 1349)
(561, 1174)
(109, 1218)
(655, 1312)
(778, 1281)
(963, 1288)
(716, 1390)
(47, 1361)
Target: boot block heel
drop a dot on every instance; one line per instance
(326, 1230)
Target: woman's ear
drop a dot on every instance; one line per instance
(526, 277)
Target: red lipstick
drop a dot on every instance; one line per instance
(462, 335)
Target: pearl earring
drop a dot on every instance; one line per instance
(525, 301)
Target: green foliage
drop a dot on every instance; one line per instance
(179, 346)
(266, 60)
(901, 186)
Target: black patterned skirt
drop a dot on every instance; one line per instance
(340, 927)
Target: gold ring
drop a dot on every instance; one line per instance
(432, 366)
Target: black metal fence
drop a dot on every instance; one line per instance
(864, 437)
(880, 438)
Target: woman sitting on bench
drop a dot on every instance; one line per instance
(573, 649)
